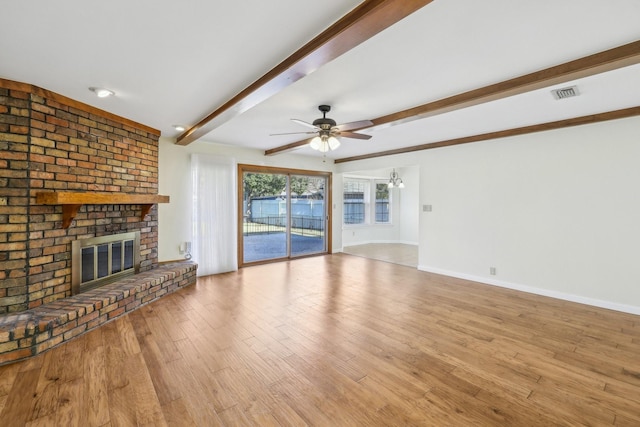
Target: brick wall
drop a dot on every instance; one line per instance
(49, 142)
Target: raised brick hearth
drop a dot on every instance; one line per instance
(33, 331)
(50, 143)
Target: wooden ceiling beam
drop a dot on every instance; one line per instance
(601, 62)
(362, 23)
(607, 60)
(577, 121)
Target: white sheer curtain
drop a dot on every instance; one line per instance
(214, 213)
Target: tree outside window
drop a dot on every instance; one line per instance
(382, 203)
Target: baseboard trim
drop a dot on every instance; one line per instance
(631, 309)
(369, 242)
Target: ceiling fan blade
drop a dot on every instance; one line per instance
(354, 125)
(354, 135)
(293, 133)
(303, 123)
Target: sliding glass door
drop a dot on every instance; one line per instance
(264, 220)
(284, 213)
(308, 217)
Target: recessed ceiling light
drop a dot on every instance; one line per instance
(179, 128)
(101, 93)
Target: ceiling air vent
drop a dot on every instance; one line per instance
(565, 92)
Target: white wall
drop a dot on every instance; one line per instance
(556, 211)
(409, 198)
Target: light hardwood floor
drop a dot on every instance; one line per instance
(338, 340)
(397, 253)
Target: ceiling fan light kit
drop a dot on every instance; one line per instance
(327, 131)
(324, 143)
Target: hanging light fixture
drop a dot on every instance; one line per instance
(395, 180)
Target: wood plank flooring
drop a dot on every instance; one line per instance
(397, 253)
(338, 340)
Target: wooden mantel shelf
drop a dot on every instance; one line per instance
(72, 201)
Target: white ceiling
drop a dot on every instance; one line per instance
(175, 62)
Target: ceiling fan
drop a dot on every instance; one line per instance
(326, 131)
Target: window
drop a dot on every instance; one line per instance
(357, 194)
(382, 203)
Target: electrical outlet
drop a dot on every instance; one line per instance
(492, 271)
(427, 208)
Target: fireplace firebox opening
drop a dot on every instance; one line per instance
(97, 261)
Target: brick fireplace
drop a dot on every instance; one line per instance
(50, 143)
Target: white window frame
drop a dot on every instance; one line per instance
(366, 200)
(369, 202)
(390, 202)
